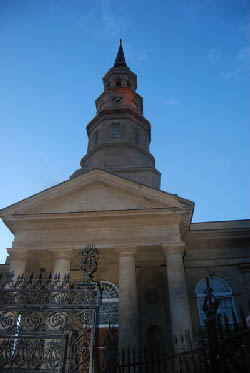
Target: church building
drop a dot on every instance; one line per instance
(153, 260)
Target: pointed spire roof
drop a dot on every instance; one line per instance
(120, 59)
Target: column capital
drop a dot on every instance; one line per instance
(62, 253)
(20, 254)
(176, 248)
(126, 250)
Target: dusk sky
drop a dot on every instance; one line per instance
(192, 59)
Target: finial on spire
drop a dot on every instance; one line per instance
(120, 59)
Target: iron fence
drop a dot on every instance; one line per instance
(219, 347)
(48, 324)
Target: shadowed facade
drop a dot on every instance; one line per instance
(153, 259)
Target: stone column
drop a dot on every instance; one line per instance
(18, 261)
(62, 262)
(128, 309)
(178, 296)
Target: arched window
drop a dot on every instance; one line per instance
(108, 310)
(222, 291)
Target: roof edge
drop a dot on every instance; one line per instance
(74, 181)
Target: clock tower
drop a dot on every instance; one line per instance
(119, 135)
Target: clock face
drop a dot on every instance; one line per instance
(116, 99)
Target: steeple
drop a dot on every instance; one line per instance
(120, 58)
(119, 135)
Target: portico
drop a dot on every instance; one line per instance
(134, 227)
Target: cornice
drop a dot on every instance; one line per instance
(220, 225)
(213, 235)
(118, 70)
(117, 144)
(101, 214)
(113, 171)
(116, 112)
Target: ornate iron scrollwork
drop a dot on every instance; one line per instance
(47, 324)
(88, 262)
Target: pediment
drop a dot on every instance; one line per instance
(96, 197)
(95, 191)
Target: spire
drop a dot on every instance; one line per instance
(120, 59)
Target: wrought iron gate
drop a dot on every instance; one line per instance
(48, 325)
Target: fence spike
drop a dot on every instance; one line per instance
(158, 357)
(128, 359)
(182, 342)
(146, 359)
(123, 360)
(139, 356)
(134, 360)
(176, 342)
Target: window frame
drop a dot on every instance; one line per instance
(221, 297)
(108, 301)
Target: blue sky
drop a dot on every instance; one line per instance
(192, 58)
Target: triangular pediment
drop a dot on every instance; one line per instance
(95, 191)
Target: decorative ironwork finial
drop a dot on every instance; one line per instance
(88, 261)
(211, 303)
